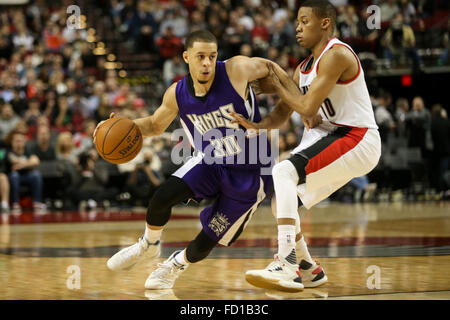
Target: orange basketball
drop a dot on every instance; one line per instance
(118, 140)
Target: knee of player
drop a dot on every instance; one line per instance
(199, 248)
(284, 170)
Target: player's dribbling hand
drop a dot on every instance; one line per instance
(252, 127)
(112, 115)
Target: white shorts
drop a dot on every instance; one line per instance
(334, 157)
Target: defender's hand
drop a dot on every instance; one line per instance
(252, 127)
(312, 122)
(112, 115)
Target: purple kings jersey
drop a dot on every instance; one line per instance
(208, 123)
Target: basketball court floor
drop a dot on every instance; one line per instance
(369, 251)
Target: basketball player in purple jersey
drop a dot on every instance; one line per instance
(205, 100)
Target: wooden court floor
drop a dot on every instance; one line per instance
(371, 251)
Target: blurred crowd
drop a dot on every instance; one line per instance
(265, 28)
(54, 88)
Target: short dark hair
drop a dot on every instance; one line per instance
(201, 36)
(322, 9)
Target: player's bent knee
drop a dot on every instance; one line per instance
(199, 248)
(284, 170)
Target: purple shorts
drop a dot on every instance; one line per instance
(238, 194)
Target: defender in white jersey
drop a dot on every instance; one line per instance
(341, 141)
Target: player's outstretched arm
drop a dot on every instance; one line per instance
(332, 65)
(159, 121)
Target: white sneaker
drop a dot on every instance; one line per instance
(279, 275)
(164, 277)
(128, 257)
(313, 275)
(163, 294)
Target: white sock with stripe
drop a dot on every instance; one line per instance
(181, 257)
(152, 235)
(286, 243)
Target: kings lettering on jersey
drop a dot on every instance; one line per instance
(215, 119)
(207, 122)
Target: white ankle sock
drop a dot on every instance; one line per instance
(302, 251)
(181, 258)
(286, 243)
(152, 235)
(5, 204)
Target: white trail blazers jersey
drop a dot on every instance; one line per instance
(348, 103)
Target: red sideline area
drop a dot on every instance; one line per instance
(92, 216)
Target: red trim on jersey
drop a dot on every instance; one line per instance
(357, 60)
(317, 65)
(306, 72)
(303, 62)
(335, 150)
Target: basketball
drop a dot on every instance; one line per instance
(118, 140)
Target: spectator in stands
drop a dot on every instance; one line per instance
(347, 23)
(408, 11)
(65, 149)
(259, 34)
(94, 100)
(418, 123)
(175, 18)
(22, 37)
(279, 37)
(197, 21)
(440, 157)
(388, 10)
(18, 103)
(246, 50)
(83, 140)
(80, 112)
(143, 181)
(399, 43)
(21, 168)
(142, 27)
(173, 70)
(8, 120)
(104, 108)
(7, 81)
(6, 48)
(91, 187)
(61, 115)
(42, 146)
(33, 112)
(383, 117)
(169, 44)
(445, 42)
(401, 112)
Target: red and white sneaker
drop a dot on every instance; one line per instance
(278, 275)
(313, 275)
